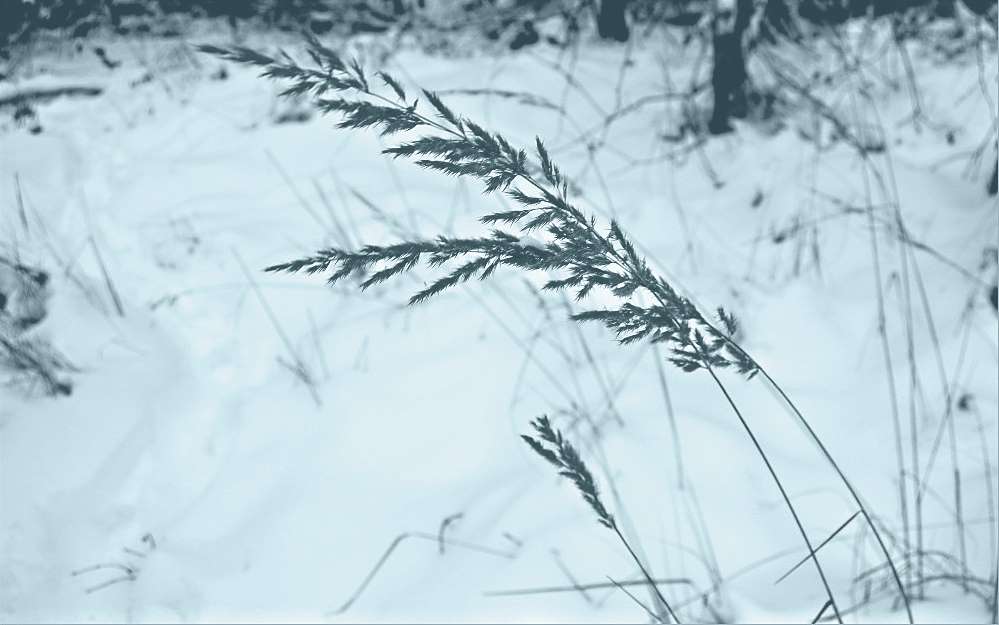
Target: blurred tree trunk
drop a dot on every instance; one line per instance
(728, 73)
(610, 20)
(979, 7)
(945, 8)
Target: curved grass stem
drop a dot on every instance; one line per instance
(780, 487)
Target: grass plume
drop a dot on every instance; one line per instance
(578, 255)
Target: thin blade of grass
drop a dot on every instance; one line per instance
(651, 614)
(577, 587)
(825, 607)
(821, 545)
(392, 547)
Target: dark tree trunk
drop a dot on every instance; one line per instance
(979, 7)
(993, 185)
(944, 8)
(830, 12)
(610, 20)
(728, 74)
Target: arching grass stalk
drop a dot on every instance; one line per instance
(586, 256)
(842, 476)
(552, 446)
(780, 486)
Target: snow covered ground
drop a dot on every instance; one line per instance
(192, 453)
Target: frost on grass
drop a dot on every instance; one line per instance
(27, 361)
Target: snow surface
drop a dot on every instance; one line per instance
(264, 503)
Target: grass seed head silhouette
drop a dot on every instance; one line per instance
(586, 256)
(551, 446)
(583, 255)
